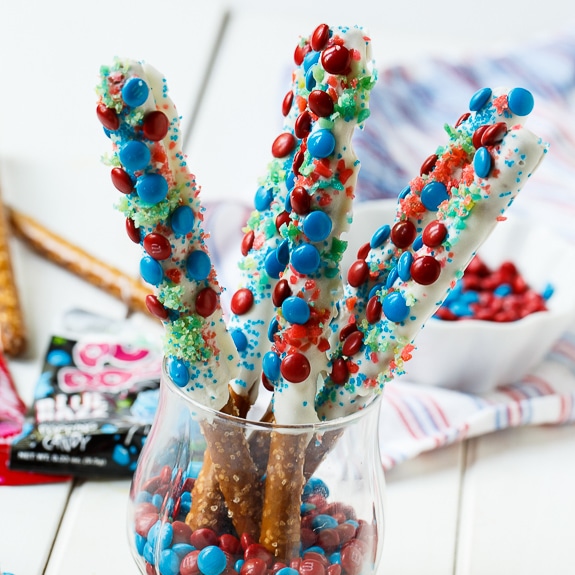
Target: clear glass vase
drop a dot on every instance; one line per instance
(216, 494)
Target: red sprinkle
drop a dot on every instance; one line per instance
(434, 234)
(336, 59)
(295, 367)
(283, 145)
(352, 343)
(287, 102)
(108, 117)
(320, 103)
(319, 37)
(358, 273)
(132, 231)
(428, 165)
(300, 200)
(425, 270)
(242, 301)
(155, 307)
(206, 302)
(403, 233)
(339, 372)
(122, 180)
(155, 125)
(247, 242)
(157, 246)
(281, 292)
(302, 125)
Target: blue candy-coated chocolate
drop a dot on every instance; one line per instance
(404, 193)
(178, 371)
(323, 521)
(417, 243)
(335, 558)
(198, 265)
(317, 226)
(309, 80)
(182, 220)
(482, 162)
(433, 194)
(154, 531)
(460, 309)
(121, 455)
(272, 265)
(165, 535)
(379, 236)
(321, 143)
(479, 99)
(139, 542)
(310, 59)
(152, 188)
(263, 198)
(305, 259)
(287, 203)
(273, 329)
(404, 266)
(169, 562)
(148, 553)
(295, 310)
(134, 156)
(157, 501)
(151, 270)
(271, 365)
(391, 277)
(282, 252)
(520, 101)
(395, 307)
(290, 181)
(316, 485)
(182, 549)
(287, 571)
(373, 291)
(211, 560)
(240, 339)
(135, 92)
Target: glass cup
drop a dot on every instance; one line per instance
(216, 494)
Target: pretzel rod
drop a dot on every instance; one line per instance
(406, 295)
(12, 329)
(163, 214)
(74, 259)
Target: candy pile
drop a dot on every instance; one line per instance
(324, 346)
(500, 295)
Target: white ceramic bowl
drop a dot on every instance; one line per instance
(476, 356)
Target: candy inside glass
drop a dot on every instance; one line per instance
(339, 512)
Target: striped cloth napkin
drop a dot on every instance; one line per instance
(410, 106)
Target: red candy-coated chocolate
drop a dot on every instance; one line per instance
(246, 540)
(298, 159)
(316, 557)
(254, 566)
(203, 537)
(282, 218)
(477, 136)
(352, 557)
(267, 383)
(334, 569)
(287, 102)
(283, 145)
(144, 522)
(247, 242)
(336, 59)
(300, 52)
(434, 234)
(373, 310)
(295, 367)
(320, 103)
(352, 343)
(257, 550)
(206, 302)
(462, 118)
(319, 37)
(346, 330)
(122, 181)
(358, 273)
(311, 567)
(494, 134)
(302, 125)
(230, 544)
(157, 246)
(281, 291)
(242, 301)
(403, 233)
(181, 532)
(300, 200)
(339, 371)
(132, 231)
(155, 125)
(328, 540)
(428, 165)
(363, 251)
(155, 307)
(108, 117)
(189, 564)
(425, 270)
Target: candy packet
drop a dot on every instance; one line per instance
(94, 401)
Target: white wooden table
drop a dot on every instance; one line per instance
(501, 504)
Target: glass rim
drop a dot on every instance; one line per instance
(315, 426)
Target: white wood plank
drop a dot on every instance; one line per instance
(518, 505)
(421, 514)
(29, 517)
(93, 536)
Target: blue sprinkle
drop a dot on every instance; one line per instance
(151, 271)
(479, 99)
(321, 143)
(548, 292)
(417, 243)
(240, 339)
(135, 156)
(182, 220)
(306, 259)
(198, 265)
(282, 252)
(520, 101)
(317, 226)
(211, 560)
(482, 162)
(272, 265)
(263, 198)
(395, 307)
(502, 290)
(404, 266)
(178, 371)
(169, 562)
(135, 92)
(271, 365)
(433, 194)
(273, 329)
(323, 521)
(296, 310)
(379, 236)
(152, 188)
(393, 275)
